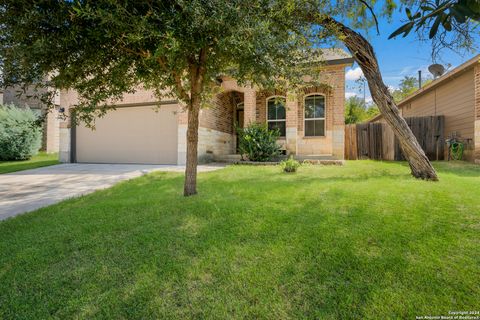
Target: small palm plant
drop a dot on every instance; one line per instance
(290, 165)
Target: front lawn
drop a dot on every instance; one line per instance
(363, 241)
(42, 159)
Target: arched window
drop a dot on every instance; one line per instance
(276, 114)
(315, 115)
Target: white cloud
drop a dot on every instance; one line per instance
(368, 99)
(406, 70)
(391, 88)
(354, 74)
(350, 94)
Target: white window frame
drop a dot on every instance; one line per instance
(305, 119)
(285, 106)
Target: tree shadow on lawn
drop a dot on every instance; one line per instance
(304, 174)
(124, 253)
(308, 262)
(458, 168)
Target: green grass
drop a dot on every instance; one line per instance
(363, 241)
(42, 159)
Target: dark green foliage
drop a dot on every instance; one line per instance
(104, 48)
(433, 14)
(258, 143)
(20, 133)
(356, 111)
(290, 165)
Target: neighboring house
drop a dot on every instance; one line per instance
(51, 126)
(311, 122)
(455, 95)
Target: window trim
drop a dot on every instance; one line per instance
(313, 119)
(285, 106)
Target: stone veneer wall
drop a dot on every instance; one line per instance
(215, 132)
(68, 98)
(477, 114)
(210, 142)
(52, 132)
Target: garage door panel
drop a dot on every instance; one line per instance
(130, 135)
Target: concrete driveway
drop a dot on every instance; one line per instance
(28, 190)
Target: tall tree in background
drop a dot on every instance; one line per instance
(356, 111)
(407, 86)
(104, 49)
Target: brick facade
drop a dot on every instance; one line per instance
(261, 104)
(216, 124)
(219, 113)
(333, 88)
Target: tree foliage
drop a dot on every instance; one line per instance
(20, 133)
(104, 49)
(258, 143)
(356, 111)
(448, 23)
(407, 86)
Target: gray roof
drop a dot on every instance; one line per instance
(330, 56)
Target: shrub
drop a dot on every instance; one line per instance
(258, 143)
(290, 165)
(20, 133)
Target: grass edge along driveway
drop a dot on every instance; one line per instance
(42, 159)
(361, 241)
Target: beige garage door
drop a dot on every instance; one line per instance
(130, 135)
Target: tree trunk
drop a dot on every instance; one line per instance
(364, 55)
(190, 187)
(197, 77)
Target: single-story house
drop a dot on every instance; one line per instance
(456, 96)
(142, 129)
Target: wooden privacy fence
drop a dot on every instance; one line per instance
(377, 140)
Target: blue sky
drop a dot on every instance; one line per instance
(401, 57)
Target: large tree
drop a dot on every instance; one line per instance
(458, 19)
(103, 49)
(338, 19)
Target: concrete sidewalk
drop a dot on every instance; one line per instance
(28, 190)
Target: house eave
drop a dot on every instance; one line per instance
(437, 82)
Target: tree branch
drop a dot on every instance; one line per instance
(364, 55)
(373, 14)
(183, 95)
